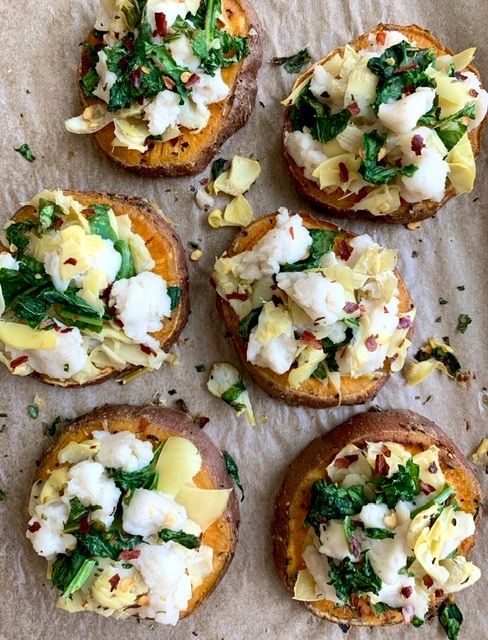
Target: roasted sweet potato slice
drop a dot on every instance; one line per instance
(335, 203)
(312, 393)
(411, 430)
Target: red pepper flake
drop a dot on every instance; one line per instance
(343, 172)
(353, 108)
(84, 525)
(174, 141)
(66, 330)
(354, 600)
(381, 38)
(123, 64)
(385, 451)
(473, 93)
(274, 287)
(116, 35)
(371, 344)
(355, 546)
(432, 468)
(404, 323)
(460, 76)
(118, 322)
(346, 461)
(58, 222)
(385, 310)
(18, 361)
(72, 261)
(204, 181)
(426, 488)
(406, 591)
(169, 83)
(136, 77)
(129, 554)
(192, 80)
(309, 339)
(362, 155)
(88, 213)
(439, 593)
(409, 89)
(213, 284)
(237, 296)
(35, 526)
(128, 44)
(350, 307)
(342, 249)
(161, 24)
(428, 581)
(201, 421)
(406, 67)
(381, 466)
(115, 579)
(147, 350)
(291, 231)
(418, 143)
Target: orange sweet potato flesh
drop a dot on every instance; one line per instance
(191, 152)
(335, 204)
(166, 250)
(312, 393)
(157, 425)
(413, 431)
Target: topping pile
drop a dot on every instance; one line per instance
(387, 123)
(121, 522)
(156, 64)
(78, 293)
(315, 303)
(385, 533)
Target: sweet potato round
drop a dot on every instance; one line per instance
(404, 427)
(157, 425)
(312, 393)
(191, 153)
(334, 203)
(165, 248)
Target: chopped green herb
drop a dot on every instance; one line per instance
(48, 214)
(378, 533)
(402, 485)
(76, 513)
(25, 152)
(16, 235)
(88, 82)
(370, 168)
(322, 243)
(99, 221)
(127, 267)
(451, 619)
(187, 540)
(247, 324)
(200, 368)
(405, 571)
(438, 319)
(295, 62)
(460, 288)
(379, 608)
(347, 578)
(175, 294)
(232, 395)
(463, 322)
(3, 495)
(218, 167)
(129, 481)
(442, 301)
(105, 543)
(417, 622)
(309, 112)
(51, 429)
(329, 502)
(233, 471)
(415, 254)
(427, 399)
(33, 411)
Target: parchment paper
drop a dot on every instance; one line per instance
(38, 57)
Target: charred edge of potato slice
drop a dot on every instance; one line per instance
(157, 425)
(337, 205)
(193, 152)
(312, 393)
(147, 220)
(403, 427)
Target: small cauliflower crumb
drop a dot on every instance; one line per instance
(122, 450)
(150, 511)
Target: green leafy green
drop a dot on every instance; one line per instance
(48, 214)
(88, 82)
(247, 324)
(76, 512)
(105, 544)
(25, 152)
(446, 492)
(322, 243)
(329, 502)
(133, 12)
(417, 622)
(173, 70)
(185, 539)
(51, 429)
(233, 471)
(332, 348)
(402, 485)
(69, 573)
(377, 533)
(450, 129)
(379, 608)
(371, 170)
(405, 571)
(295, 62)
(463, 322)
(3, 495)
(33, 411)
(218, 167)
(451, 619)
(16, 234)
(309, 112)
(349, 578)
(175, 294)
(99, 222)
(232, 395)
(440, 354)
(127, 267)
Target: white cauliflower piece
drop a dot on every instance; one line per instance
(402, 116)
(89, 482)
(306, 152)
(277, 355)
(429, 181)
(182, 51)
(210, 89)
(122, 450)
(481, 100)
(7, 261)
(107, 78)
(162, 112)
(150, 511)
(45, 529)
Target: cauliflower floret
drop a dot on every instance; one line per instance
(150, 511)
(306, 152)
(481, 100)
(193, 115)
(320, 298)
(45, 529)
(402, 116)
(324, 85)
(333, 541)
(107, 78)
(373, 515)
(318, 565)
(277, 355)
(141, 303)
(182, 52)
(7, 261)
(429, 181)
(66, 360)
(162, 112)
(89, 482)
(210, 89)
(122, 450)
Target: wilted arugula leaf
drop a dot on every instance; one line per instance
(309, 112)
(48, 213)
(372, 171)
(76, 513)
(175, 294)
(233, 471)
(402, 485)
(348, 577)
(187, 540)
(450, 130)
(463, 322)
(295, 62)
(451, 619)
(105, 544)
(69, 573)
(329, 502)
(88, 82)
(247, 324)
(16, 233)
(322, 243)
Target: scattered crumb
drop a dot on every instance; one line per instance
(196, 255)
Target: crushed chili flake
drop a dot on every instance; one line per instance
(58, 222)
(385, 310)
(353, 108)
(355, 546)
(18, 361)
(161, 24)
(213, 284)
(426, 488)
(115, 579)
(88, 213)
(439, 593)
(291, 231)
(343, 172)
(147, 350)
(309, 339)
(169, 83)
(237, 296)
(404, 323)
(123, 64)
(84, 525)
(343, 249)
(346, 461)
(128, 44)
(460, 76)
(174, 141)
(192, 80)
(406, 67)
(371, 344)
(406, 591)
(350, 307)
(418, 143)
(136, 78)
(381, 466)
(201, 421)
(432, 468)
(129, 554)
(385, 451)
(428, 581)
(35, 526)
(473, 93)
(66, 330)
(381, 38)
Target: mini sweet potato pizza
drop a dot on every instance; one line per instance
(91, 285)
(319, 317)
(387, 127)
(374, 521)
(164, 83)
(135, 514)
